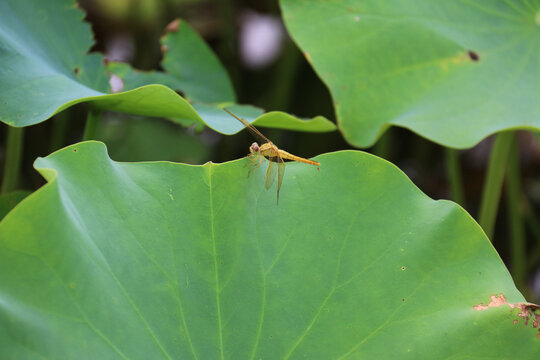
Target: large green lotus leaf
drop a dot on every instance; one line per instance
(172, 261)
(451, 71)
(45, 69)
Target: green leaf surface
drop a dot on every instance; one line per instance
(216, 118)
(43, 59)
(451, 71)
(45, 69)
(172, 261)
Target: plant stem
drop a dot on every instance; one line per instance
(383, 146)
(534, 259)
(12, 167)
(227, 46)
(493, 181)
(283, 84)
(515, 218)
(92, 121)
(59, 130)
(533, 224)
(454, 175)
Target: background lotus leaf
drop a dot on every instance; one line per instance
(451, 71)
(190, 66)
(46, 69)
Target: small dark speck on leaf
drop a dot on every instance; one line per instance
(74, 150)
(473, 56)
(403, 268)
(402, 299)
(76, 70)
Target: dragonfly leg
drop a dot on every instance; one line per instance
(254, 161)
(257, 162)
(261, 159)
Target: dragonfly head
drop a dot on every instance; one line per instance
(254, 148)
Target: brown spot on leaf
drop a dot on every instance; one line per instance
(74, 150)
(496, 301)
(473, 55)
(164, 48)
(403, 268)
(76, 70)
(527, 311)
(172, 27)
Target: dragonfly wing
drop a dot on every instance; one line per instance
(280, 173)
(270, 174)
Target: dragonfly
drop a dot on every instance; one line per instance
(275, 156)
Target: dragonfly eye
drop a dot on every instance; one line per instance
(254, 147)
